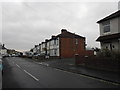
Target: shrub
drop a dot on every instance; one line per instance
(108, 53)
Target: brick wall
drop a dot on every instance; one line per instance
(88, 53)
(68, 47)
(105, 63)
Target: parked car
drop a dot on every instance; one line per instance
(37, 55)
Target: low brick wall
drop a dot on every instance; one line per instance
(89, 53)
(99, 62)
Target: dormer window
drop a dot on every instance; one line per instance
(106, 26)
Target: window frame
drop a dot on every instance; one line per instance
(106, 26)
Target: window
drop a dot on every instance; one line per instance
(113, 46)
(57, 41)
(76, 41)
(50, 43)
(54, 42)
(55, 52)
(106, 26)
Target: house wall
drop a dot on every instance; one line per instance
(43, 48)
(115, 45)
(54, 47)
(48, 48)
(113, 27)
(68, 47)
(34, 50)
(38, 49)
(3, 52)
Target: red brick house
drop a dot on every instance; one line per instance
(66, 45)
(70, 44)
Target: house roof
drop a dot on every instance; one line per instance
(67, 34)
(108, 37)
(114, 15)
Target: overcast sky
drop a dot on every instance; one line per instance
(25, 24)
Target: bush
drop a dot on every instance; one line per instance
(108, 53)
(104, 53)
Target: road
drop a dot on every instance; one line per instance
(25, 73)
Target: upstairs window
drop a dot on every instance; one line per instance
(55, 42)
(76, 41)
(106, 26)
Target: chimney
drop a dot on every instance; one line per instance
(63, 30)
(53, 36)
(35, 45)
(42, 42)
(46, 40)
(3, 45)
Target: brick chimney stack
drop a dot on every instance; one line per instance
(46, 40)
(63, 30)
(53, 36)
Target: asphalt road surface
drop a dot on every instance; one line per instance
(25, 73)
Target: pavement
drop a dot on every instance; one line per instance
(69, 65)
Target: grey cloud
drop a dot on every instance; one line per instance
(28, 23)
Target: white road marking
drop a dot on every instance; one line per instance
(31, 75)
(117, 84)
(18, 65)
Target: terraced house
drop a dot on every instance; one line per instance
(64, 45)
(110, 32)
